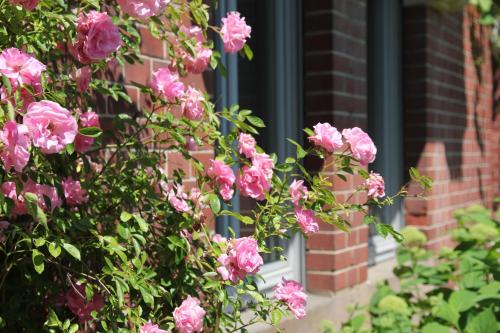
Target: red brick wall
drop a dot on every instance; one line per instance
(335, 87)
(449, 132)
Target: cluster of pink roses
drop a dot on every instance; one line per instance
(97, 37)
(306, 218)
(240, 259)
(198, 62)
(292, 293)
(329, 138)
(361, 146)
(166, 82)
(254, 181)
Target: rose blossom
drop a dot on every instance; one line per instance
(21, 68)
(82, 77)
(307, 220)
(27, 4)
(252, 182)
(43, 191)
(97, 37)
(243, 258)
(76, 301)
(255, 181)
(297, 191)
(167, 83)
(51, 126)
(189, 316)
(234, 32)
(191, 143)
(82, 142)
(217, 238)
(192, 106)
(73, 192)
(375, 185)
(362, 147)
(198, 63)
(292, 293)
(246, 145)
(15, 146)
(150, 328)
(177, 198)
(326, 136)
(143, 9)
(10, 191)
(223, 176)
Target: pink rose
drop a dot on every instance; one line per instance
(327, 137)
(246, 145)
(51, 126)
(10, 191)
(82, 142)
(150, 328)
(307, 220)
(217, 238)
(292, 293)
(253, 183)
(192, 106)
(264, 163)
(177, 198)
(83, 76)
(298, 191)
(97, 37)
(15, 146)
(242, 258)
(27, 4)
(73, 192)
(76, 301)
(223, 176)
(188, 317)
(42, 192)
(234, 32)
(375, 185)
(21, 68)
(143, 9)
(198, 63)
(362, 147)
(167, 83)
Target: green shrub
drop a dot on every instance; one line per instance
(453, 290)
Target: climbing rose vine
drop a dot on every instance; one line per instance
(96, 235)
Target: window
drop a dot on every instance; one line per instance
(386, 112)
(270, 85)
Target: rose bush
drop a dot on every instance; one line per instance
(95, 236)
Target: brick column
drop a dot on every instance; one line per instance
(335, 87)
(449, 115)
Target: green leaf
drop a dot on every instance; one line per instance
(143, 225)
(435, 328)
(6, 84)
(125, 216)
(256, 121)
(52, 319)
(37, 259)
(54, 249)
(485, 322)
(248, 52)
(462, 300)
(92, 132)
(214, 202)
(446, 312)
(34, 210)
(71, 249)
